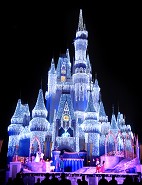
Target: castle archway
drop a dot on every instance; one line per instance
(35, 145)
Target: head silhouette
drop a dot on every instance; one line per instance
(63, 175)
(47, 175)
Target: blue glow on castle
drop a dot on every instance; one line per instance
(70, 115)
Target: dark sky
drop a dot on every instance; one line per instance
(32, 34)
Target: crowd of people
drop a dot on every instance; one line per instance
(128, 180)
(48, 180)
(52, 179)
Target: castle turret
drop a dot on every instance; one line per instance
(105, 126)
(113, 125)
(52, 79)
(113, 132)
(51, 93)
(39, 124)
(14, 129)
(102, 115)
(81, 78)
(92, 128)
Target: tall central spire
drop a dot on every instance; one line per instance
(80, 24)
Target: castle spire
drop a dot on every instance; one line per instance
(52, 68)
(40, 108)
(80, 24)
(90, 106)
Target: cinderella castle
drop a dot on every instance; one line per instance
(70, 115)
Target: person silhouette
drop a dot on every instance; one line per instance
(54, 180)
(64, 180)
(103, 180)
(78, 181)
(37, 182)
(113, 181)
(46, 180)
(10, 181)
(18, 180)
(128, 180)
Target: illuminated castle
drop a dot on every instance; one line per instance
(70, 116)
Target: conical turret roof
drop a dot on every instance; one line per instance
(90, 111)
(39, 114)
(52, 68)
(113, 122)
(20, 112)
(40, 109)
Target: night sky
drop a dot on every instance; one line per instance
(32, 35)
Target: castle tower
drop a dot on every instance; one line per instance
(92, 129)
(58, 79)
(112, 141)
(52, 79)
(39, 124)
(50, 94)
(81, 77)
(14, 130)
(105, 126)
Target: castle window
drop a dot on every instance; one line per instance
(81, 70)
(63, 69)
(61, 131)
(63, 78)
